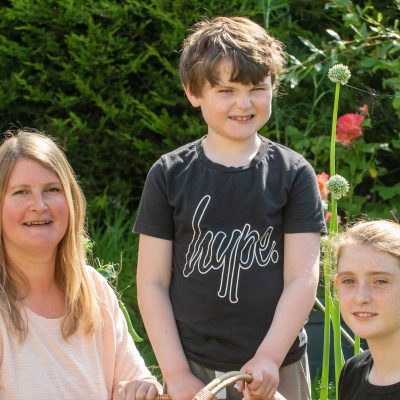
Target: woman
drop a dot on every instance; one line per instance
(62, 334)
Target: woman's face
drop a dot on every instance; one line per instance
(368, 283)
(35, 212)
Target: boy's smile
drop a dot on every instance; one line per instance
(233, 111)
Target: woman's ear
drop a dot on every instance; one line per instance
(194, 100)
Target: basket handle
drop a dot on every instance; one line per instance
(209, 391)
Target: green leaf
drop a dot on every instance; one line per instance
(388, 192)
(396, 143)
(310, 45)
(333, 33)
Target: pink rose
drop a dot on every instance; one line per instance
(348, 128)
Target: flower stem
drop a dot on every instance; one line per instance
(357, 345)
(333, 231)
(324, 386)
(333, 132)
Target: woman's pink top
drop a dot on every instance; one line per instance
(46, 366)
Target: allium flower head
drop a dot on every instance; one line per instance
(339, 73)
(338, 186)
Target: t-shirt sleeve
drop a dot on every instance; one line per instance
(303, 211)
(155, 214)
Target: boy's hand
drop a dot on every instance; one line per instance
(184, 387)
(135, 390)
(265, 381)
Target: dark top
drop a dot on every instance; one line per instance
(227, 226)
(354, 384)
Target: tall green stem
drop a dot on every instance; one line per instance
(333, 231)
(332, 169)
(357, 345)
(327, 324)
(332, 312)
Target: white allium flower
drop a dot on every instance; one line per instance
(339, 73)
(338, 186)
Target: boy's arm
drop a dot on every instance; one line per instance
(301, 273)
(153, 281)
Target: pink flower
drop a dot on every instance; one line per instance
(348, 128)
(322, 179)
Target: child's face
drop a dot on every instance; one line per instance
(232, 110)
(368, 283)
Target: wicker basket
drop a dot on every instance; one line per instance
(209, 391)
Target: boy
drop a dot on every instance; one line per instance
(230, 227)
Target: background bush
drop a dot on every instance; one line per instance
(101, 76)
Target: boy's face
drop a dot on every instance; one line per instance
(368, 283)
(232, 110)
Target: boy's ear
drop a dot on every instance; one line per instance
(194, 100)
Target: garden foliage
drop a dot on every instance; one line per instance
(101, 76)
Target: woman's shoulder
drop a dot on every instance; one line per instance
(95, 276)
(103, 290)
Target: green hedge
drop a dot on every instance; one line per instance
(101, 76)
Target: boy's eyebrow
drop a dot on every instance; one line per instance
(232, 84)
(219, 84)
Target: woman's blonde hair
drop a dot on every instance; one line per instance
(70, 269)
(383, 235)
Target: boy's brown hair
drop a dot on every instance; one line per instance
(254, 54)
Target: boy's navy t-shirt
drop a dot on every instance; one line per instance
(227, 225)
(354, 384)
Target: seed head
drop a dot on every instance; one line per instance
(338, 186)
(339, 73)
